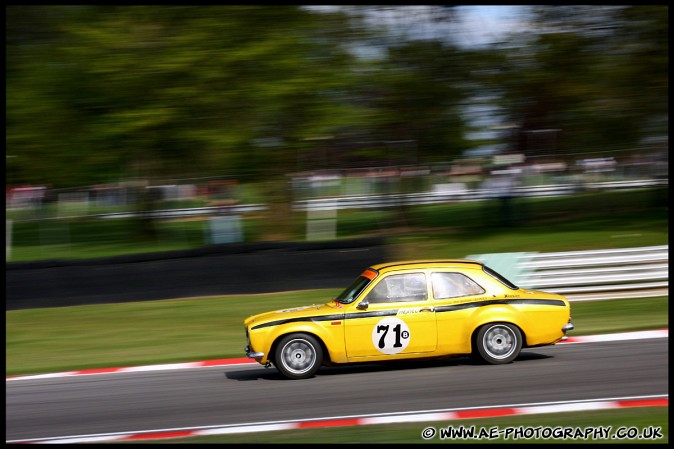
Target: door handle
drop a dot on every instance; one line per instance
(427, 309)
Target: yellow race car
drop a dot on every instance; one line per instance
(410, 310)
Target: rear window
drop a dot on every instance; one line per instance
(500, 278)
(453, 285)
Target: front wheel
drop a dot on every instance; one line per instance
(298, 356)
(498, 343)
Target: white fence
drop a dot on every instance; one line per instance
(464, 195)
(600, 274)
(77, 204)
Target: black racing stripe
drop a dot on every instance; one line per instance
(371, 314)
(394, 312)
(469, 305)
(340, 316)
(543, 302)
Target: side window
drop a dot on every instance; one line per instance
(399, 288)
(452, 285)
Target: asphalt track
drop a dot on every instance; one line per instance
(235, 394)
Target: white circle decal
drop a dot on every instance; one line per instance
(390, 335)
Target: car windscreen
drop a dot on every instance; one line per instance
(352, 291)
(499, 278)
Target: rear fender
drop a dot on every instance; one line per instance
(500, 313)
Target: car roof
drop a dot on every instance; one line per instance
(420, 264)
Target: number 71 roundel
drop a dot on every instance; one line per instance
(391, 335)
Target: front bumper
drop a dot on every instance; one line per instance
(253, 355)
(250, 354)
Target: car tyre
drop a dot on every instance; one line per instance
(298, 356)
(498, 343)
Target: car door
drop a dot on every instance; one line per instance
(398, 319)
(456, 297)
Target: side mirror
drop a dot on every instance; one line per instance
(363, 305)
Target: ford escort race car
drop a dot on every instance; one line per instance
(410, 310)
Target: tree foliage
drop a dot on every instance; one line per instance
(165, 91)
(104, 93)
(597, 74)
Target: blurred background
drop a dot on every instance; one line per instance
(448, 130)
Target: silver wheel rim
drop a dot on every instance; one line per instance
(298, 356)
(499, 342)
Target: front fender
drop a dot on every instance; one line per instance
(330, 333)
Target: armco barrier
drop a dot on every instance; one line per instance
(586, 275)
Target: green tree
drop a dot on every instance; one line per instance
(596, 73)
(110, 92)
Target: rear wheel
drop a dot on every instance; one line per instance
(298, 356)
(498, 343)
